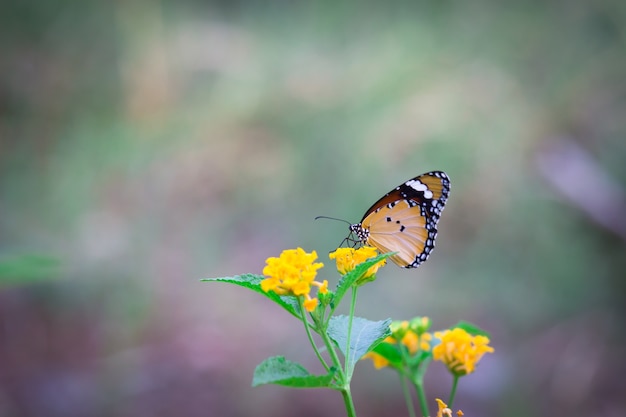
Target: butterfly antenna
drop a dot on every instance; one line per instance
(348, 240)
(333, 218)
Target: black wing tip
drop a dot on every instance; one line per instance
(438, 174)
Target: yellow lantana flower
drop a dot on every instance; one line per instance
(460, 351)
(348, 258)
(293, 273)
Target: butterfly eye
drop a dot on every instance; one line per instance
(405, 219)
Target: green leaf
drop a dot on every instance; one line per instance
(280, 371)
(351, 277)
(390, 352)
(366, 334)
(470, 328)
(253, 282)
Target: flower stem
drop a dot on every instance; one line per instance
(347, 375)
(349, 368)
(343, 380)
(453, 390)
(417, 378)
(418, 383)
(310, 336)
(347, 400)
(407, 397)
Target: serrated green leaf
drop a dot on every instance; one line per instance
(351, 277)
(280, 371)
(470, 328)
(366, 334)
(253, 282)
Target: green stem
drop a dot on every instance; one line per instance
(343, 375)
(344, 383)
(310, 336)
(419, 387)
(347, 400)
(330, 347)
(350, 369)
(407, 396)
(417, 378)
(453, 391)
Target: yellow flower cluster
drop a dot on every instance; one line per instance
(348, 258)
(293, 273)
(409, 335)
(460, 351)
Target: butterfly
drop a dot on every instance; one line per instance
(405, 219)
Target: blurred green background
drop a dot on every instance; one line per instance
(147, 144)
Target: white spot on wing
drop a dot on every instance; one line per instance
(417, 185)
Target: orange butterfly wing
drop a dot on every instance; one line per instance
(405, 219)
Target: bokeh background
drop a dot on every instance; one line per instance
(147, 144)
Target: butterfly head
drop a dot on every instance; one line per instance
(360, 232)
